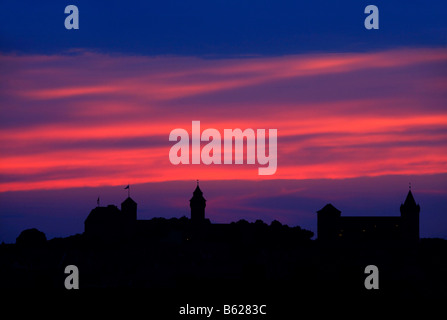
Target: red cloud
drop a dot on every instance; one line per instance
(69, 121)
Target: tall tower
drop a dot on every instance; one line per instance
(409, 211)
(197, 204)
(129, 209)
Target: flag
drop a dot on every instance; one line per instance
(127, 187)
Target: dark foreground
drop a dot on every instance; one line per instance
(279, 268)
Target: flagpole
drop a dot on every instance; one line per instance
(128, 190)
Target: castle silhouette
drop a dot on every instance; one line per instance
(110, 221)
(331, 226)
(179, 254)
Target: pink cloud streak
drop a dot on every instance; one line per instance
(86, 117)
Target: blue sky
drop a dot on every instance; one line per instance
(220, 27)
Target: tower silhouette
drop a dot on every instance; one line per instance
(197, 204)
(327, 221)
(129, 209)
(409, 212)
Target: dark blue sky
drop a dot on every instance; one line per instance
(220, 27)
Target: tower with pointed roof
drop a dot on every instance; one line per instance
(129, 209)
(197, 204)
(409, 211)
(327, 222)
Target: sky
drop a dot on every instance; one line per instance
(360, 113)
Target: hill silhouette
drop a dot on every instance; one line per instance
(187, 256)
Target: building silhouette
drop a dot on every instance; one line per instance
(331, 226)
(112, 222)
(129, 209)
(197, 204)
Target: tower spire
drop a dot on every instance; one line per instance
(409, 211)
(197, 204)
